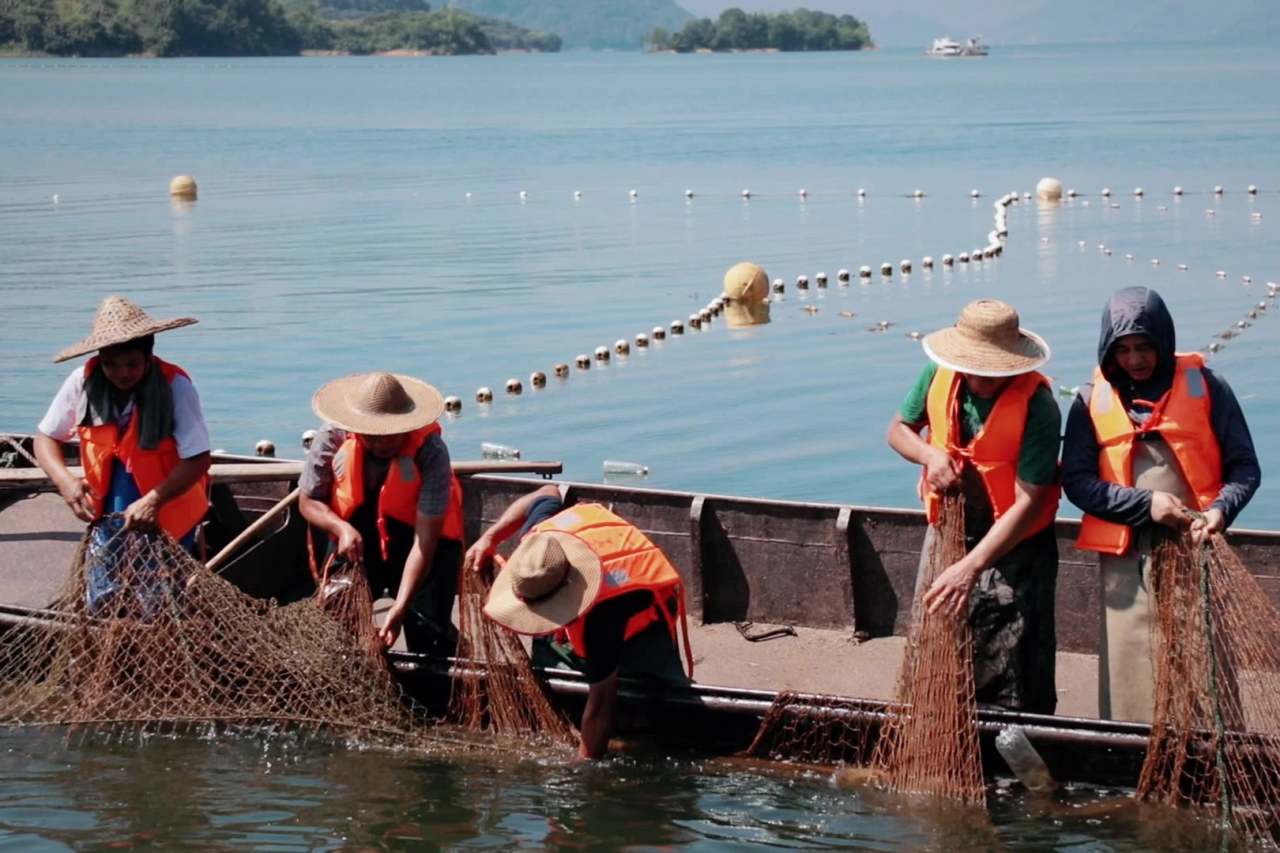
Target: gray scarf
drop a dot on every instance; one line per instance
(152, 401)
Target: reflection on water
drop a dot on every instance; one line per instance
(278, 794)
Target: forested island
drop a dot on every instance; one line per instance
(735, 29)
(253, 28)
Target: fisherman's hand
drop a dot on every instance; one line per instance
(144, 511)
(949, 592)
(1203, 528)
(1169, 510)
(941, 471)
(79, 497)
(391, 625)
(480, 553)
(350, 544)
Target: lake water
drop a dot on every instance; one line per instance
(230, 794)
(334, 234)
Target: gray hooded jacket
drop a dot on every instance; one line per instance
(1141, 311)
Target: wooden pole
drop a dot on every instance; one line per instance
(252, 530)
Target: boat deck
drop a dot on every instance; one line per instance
(38, 537)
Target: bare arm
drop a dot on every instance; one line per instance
(597, 718)
(74, 490)
(184, 475)
(941, 471)
(501, 530)
(319, 514)
(950, 590)
(426, 533)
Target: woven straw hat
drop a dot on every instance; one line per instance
(378, 403)
(747, 286)
(119, 321)
(550, 580)
(987, 341)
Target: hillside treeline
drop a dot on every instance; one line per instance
(735, 29)
(251, 28)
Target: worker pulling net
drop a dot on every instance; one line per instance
(1215, 734)
(145, 638)
(501, 694)
(928, 738)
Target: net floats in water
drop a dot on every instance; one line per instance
(514, 386)
(484, 394)
(265, 447)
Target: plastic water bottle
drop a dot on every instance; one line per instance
(492, 450)
(1023, 760)
(613, 468)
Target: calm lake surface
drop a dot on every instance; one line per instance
(334, 234)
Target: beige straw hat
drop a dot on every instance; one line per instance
(550, 580)
(378, 403)
(987, 341)
(747, 287)
(119, 321)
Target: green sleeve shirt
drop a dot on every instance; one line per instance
(1038, 458)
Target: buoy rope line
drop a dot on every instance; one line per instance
(702, 320)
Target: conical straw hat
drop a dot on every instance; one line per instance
(378, 403)
(119, 321)
(551, 579)
(987, 341)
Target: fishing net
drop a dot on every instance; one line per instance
(1215, 734)
(928, 738)
(144, 638)
(500, 692)
(930, 744)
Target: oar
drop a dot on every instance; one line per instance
(252, 530)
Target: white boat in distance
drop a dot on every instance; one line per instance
(945, 47)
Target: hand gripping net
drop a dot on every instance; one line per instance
(1215, 735)
(500, 692)
(928, 739)
(145, 639)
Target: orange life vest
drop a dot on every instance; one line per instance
(1181, 416)
(629, 562)
(994, 451)
(398, 498)
(101, 445)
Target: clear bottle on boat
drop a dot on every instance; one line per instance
(1023, 760)
(615, 468)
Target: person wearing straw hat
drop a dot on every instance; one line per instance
(378, 481)
(610, 597)
(746, 286)
(1154, 437)
(993, 427)
(144, 446)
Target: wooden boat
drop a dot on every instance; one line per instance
(845, 570)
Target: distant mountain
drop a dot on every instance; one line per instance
(598, 24)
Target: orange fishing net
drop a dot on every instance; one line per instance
(928, 739)
(500, 692)
(1215, 735)
(144, 638)
(930, 744)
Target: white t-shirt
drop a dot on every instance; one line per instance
(189, 430)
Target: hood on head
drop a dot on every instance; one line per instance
(1136, 311)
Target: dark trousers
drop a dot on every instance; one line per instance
(428, 625)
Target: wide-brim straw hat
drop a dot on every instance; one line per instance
(987, 341)
(551, 579)
(378, 403)
(119, 321)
